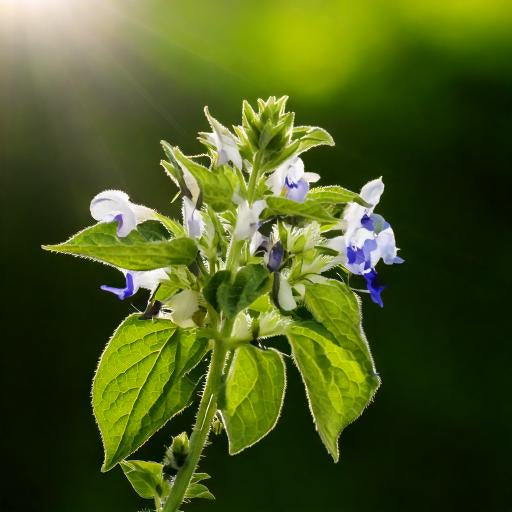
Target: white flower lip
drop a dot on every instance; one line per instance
(115, 205)
(248, 219)
(290, 175)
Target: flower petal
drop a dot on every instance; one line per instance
(372, 191)
(297, 192)
(184, 304)
(123, 293)
(387, 247)
(285, 294)
(192, 218)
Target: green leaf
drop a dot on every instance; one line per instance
(250, 282)
(309, 209)
(253, 396)
(145, 248)
(198, 491)
(338, 383)
(335, 195)
(217, 186)
(212, 286)
(174, 227)
(337, 308)
(311, 136)
(141, 382)
(146, 478)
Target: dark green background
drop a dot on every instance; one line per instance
(419, 92)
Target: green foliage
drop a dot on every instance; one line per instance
(217, 187)
(337, 382)
(146, 478)
(145, 248)
(211, 288)
(141, 382)
(309, 209)
(335, 194)
(253, 396)
(250, 282)
(336, 307)
(198, 490)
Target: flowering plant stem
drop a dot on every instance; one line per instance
(205, 414)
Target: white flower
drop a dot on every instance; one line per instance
(248, 219)
(115, 205)
(242, 328)
(371, 193)
(285, 294)
(192, 218)
(135, 280)
(289, 178)
(183, 305)
(257, 240)
(224, 141)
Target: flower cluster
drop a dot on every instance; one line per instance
(291, 247)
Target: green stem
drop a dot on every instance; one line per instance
(253, 180)
(205, 414)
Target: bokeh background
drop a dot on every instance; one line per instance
(417, 91)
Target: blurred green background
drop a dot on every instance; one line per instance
(417, 91)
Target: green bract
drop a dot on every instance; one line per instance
(258, 253)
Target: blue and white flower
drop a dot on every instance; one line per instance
(248, 219)
(115, 205)
(224, 142)
(290, 180)
(367, 239)
(192, 219)
(135, 280)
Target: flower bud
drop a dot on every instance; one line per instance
(275, 258)
(176, 454)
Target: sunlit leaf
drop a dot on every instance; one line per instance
(309, 209)
(253, 396)
(338, 383)
(141, 382)
(146, 248)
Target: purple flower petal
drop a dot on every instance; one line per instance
(296, 191)
(122, 293)
(119, 219)
(374, 287)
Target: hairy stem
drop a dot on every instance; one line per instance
(205, 414)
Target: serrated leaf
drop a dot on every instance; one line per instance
(253, 396)
(309, 209)
(335, 195)
(217, 186)
(337, 308)
(145, 248)
(141, 382)
(146, 478)
(250, 282)
(338, 383)
(212, 286)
